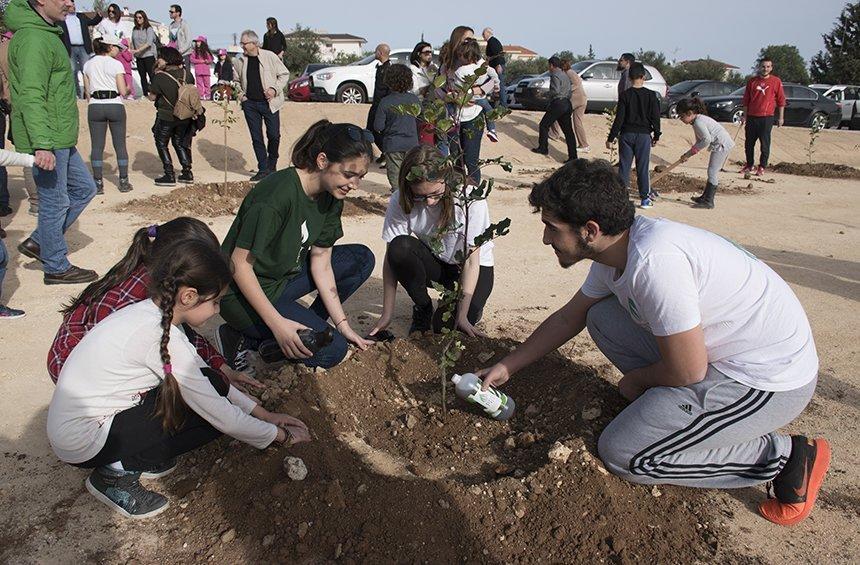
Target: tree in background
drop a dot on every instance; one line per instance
(839, 63)
(303, 48)
(569, 56)
(345, 59)
(655, 59)
(516, 69)
(591, 54)
(703, 69)
(788, 65)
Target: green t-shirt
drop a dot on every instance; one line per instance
(278, 223)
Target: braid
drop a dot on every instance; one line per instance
(170, 405)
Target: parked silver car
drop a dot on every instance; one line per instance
(599, 80)
(846, 96)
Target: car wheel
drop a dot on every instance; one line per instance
(673, 111)
(737, 116)
(818, 121)
(217, 95)
(350, 93)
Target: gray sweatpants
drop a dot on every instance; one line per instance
(715, 163)
(101, 117)
(716, 433)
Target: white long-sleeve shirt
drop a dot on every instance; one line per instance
(118, 361)
(13, 159)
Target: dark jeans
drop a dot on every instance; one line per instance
(146, 70)
(560, 112)
(638, 146)
(4, 176)
(4, 260)
(175, 132)
(352, 265)
(503, 94)
(138, 441)
(758, 128)
(416, 268)
(468, 140)
(257, 113)
(371, 117)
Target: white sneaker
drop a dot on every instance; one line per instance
(586, 149)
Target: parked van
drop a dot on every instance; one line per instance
(599, 80)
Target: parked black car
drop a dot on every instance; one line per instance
(693, 89)
(804, 107)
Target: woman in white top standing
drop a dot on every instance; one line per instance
(111, 25)
(104, 86)
(134, 394)
(422, 210)
(424, 72)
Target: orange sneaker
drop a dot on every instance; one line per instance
(796, 486)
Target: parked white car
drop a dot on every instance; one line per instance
(353, 83)
(599, 80)
(846, 96)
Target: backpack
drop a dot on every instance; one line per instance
(187, 105)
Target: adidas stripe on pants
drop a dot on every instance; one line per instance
(717, 433)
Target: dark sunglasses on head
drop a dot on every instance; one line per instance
(358, 134)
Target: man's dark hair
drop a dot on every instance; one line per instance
(399, 78)
(763, 59)
(555, 62)
(637, 70)
(176, 8)
(584, 190)
(628, 57)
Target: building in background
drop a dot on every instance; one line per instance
(334, 45)
(519, 53)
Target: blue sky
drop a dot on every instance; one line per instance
(729, 30)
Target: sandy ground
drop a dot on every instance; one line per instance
(806, 228)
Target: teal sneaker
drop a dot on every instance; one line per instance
(122, 491)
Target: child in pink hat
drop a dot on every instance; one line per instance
(125, 57)
(201, 58)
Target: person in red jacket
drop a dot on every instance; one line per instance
(762, 97)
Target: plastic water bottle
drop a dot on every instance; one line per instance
(496, 404)
(271, 352)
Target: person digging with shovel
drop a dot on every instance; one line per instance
(711, 136)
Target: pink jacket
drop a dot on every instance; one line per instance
(125, 57)
(201, 64)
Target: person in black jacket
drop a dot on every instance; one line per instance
(637, 127)
(79, 44)
(274, 40)
(380, 91)
(496, 59)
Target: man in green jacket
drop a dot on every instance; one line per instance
(45, 124)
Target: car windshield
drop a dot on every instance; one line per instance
(683, 86)
(820, 89)
(738, 92)
(366, 61)
(580, 66)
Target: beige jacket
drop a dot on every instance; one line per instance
(577, 93)
(4, 72)
(273, 74)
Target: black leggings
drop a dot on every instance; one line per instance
(137, 439)
(146, 70)
(758, 128)
(416, 268)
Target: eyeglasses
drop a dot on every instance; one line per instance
(427, 52)
(425, 197)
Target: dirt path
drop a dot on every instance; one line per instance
(805, 228)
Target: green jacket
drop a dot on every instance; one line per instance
(44, 105)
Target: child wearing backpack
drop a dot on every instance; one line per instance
(127, 283)
(201, 58)
(637, 128)
(711, 136)
(134, 394)
(399, 130)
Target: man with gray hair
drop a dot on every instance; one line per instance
(263, 77)
(380, 91)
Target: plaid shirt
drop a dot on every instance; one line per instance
(82, 319)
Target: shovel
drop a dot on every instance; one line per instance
(665, 172)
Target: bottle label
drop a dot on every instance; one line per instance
(492, 401)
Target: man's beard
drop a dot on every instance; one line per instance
(619, 68)
(583, 251)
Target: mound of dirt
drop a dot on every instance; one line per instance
(674, 183)
(215, 199)
(820, 170)
(391, 481)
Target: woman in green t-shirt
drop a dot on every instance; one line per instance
(282, 245)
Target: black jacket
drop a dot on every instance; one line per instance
(380, 89)
(86, 23)
(638, 111)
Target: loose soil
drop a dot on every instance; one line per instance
(674, 183)
(389, 482)
(215, 199)
(820, 170)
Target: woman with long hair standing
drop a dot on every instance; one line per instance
(111, 24)
(144, 47)
(104, 87)
(274, 39)
(201, 58)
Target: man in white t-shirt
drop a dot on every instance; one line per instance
(715, 348)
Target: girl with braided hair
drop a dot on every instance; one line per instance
(127, 283)
(134, 394)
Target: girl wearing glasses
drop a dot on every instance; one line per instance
(282, 245)
(111, 24)
(425, 227)
(144, 47)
